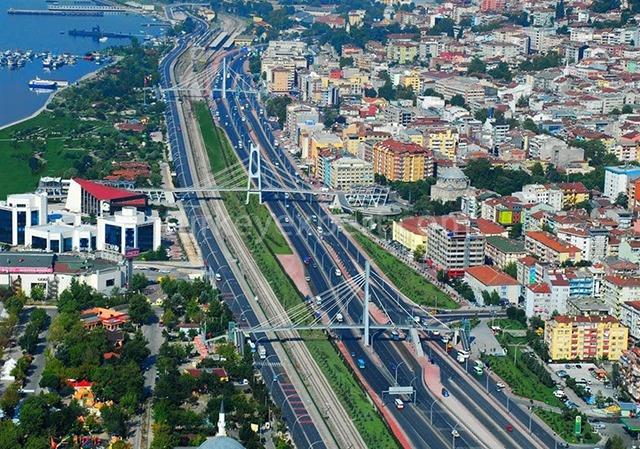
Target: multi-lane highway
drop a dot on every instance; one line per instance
(303, 430)
(241, 118)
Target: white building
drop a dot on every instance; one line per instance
(543, 299)
(618, 290)
(541, 194)
(61, 237)
(485, 278)
(630, 317)
(349, 172)
(54, 273)
(616, 179)
(20, 212)
(128, 229)
(592, 242)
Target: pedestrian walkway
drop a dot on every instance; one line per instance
(483, 341)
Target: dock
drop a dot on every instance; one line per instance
(48, 12)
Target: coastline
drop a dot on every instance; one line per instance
(37, 112)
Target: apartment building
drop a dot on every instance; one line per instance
(616, 179)
(592, 241)
(410, 232)
(298, 114)
(453, 245)
(618, 290)
(279, 63)
(348, 172)
(548, 247)
(469, 88)
(585, 338)
(402, 161)
(443, 142)
(541, 194)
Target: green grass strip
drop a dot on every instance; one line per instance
(413, 285)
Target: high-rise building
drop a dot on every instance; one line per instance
(402, 161)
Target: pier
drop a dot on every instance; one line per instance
(48, 12)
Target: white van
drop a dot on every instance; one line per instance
(399, 404)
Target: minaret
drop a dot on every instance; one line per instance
(222, 432)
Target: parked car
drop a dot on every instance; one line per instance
(445, 393)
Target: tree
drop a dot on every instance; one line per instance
(114, 420)
(502, 72)
(622, 200)
(138, 282)
(511, 269)
(515, 231)
(530, 125)
(419, 253)
(346, 62)
(10, 398)
(457, 100)
(38, 294)
(481, 115)
(442, 276)
(477, 65)
(627, 109)
(615, 442)
(277, 107)
(139, 309)
(560, 10)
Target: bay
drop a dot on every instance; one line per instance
(50, 33)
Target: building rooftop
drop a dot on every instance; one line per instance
(506, 245)
(567, 319)
(551, 241)
(490, 276)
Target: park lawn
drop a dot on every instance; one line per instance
(408, 281)
(523, 382)
(53, 144)
(508, 324)
(369, 424)
(563, 425)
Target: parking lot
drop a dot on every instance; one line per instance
(586, 372)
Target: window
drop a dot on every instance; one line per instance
(67, 244)
(84, 244)
(35, 218)
(6, 226)
(38, 243)
(55, 246)
(113, 236)
(129, 238)
(22, 223)
(111, 282)
(145, 238)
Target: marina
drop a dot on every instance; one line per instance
(48, 12)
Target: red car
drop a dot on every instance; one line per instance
(509, 428)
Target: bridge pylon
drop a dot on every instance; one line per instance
(365, 308)
(255, 174)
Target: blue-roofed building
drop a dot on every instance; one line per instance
(616, 179)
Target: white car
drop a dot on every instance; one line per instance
(455, 433)
(559, 394)
(500, 385)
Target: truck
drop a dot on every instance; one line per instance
(361, 364)
(262, 352)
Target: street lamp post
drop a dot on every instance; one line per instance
(396, 373)
(431, 411)
(453, 437)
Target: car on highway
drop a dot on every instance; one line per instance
(445, 393)
(361, 363)
(500, 386)
(399, 404)
(455, 433)
(338, 273)
(509, 428)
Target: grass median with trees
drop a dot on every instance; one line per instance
(564, 425)
(370, 425)
(408, 281)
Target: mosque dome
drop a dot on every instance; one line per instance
(221, 442)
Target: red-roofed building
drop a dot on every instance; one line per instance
(540, 301)
(490, 228)
(547, 247)
(484, 278)
(453, 245)
(92, 198)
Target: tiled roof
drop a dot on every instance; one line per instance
(490, 276)
(550, 241)
(566, 319)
